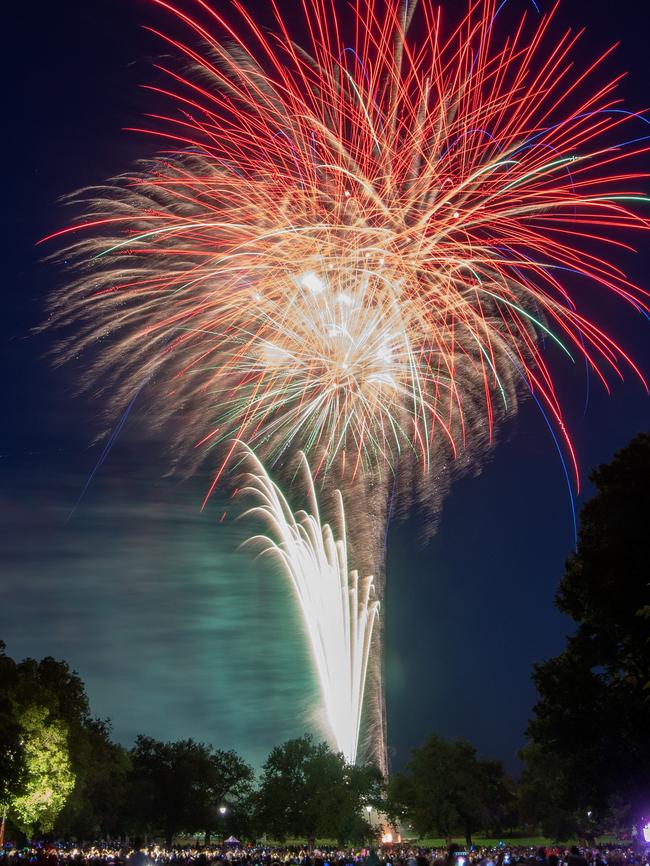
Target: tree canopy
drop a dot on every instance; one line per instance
(180, 786)
(308, 791)
(48, 777)
(37, 768)
(591, 722)
(60, 771)
(58, 765)
(447, 788)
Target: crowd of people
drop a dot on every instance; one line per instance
(387, 855)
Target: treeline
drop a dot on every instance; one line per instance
(61, 774)
(586, 765)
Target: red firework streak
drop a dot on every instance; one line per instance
(368, 233)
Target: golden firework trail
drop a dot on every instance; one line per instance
(339, 608)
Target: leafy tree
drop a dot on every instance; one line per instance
(49, 779)
(97, 807)
(282, 795)
(593, 715)
(544, 802)
(308, 791)
(180, 786)
(41, 700)
(498, 797)
(447, 788)
(94, 805)
(12, 763)
(364, 786)
(232, 787)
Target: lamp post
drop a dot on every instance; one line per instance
(2, 825)
(369, 811)
(222, 812)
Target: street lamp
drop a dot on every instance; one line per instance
(222, 812)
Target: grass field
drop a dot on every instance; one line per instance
(513, 841)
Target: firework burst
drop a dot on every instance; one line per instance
(350, 234)
(361, 247)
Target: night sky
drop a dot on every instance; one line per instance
(174, 632)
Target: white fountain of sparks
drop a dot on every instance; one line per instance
(338, 607)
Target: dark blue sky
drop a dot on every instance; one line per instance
(174, 632)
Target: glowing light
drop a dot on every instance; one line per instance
(646, 832)
(313, 282)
